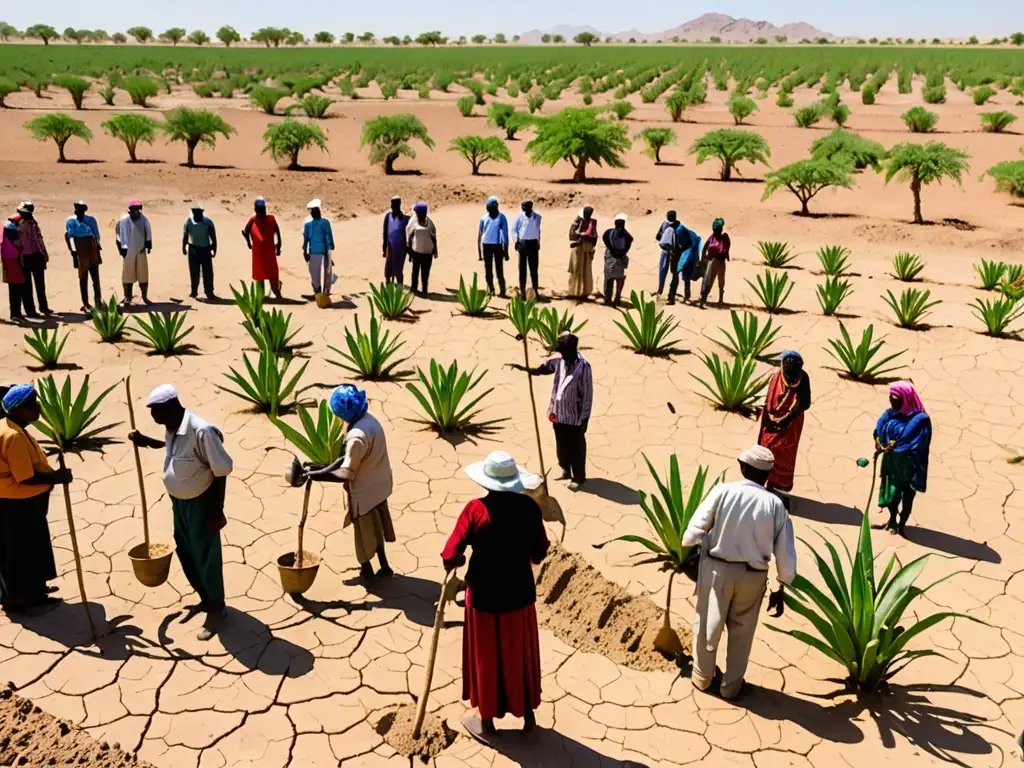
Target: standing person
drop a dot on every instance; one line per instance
(686, 251)
(199, 243)
(18, 291)
(317, 245)
(526, 231)
(572, 398)
(500, 643)
(492, 245)
(666, 240)
(782, 420)
(421, 238)
(582, 244)
(263, 237)
(134, 242)
(393, 242)
(365, 469)
(716, 254)
(740, 526)
(196, 468)
(617, 242)
(904, 435)
(82, 237)
(26, 479)
(34, 256)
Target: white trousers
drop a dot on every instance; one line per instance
(320, 272)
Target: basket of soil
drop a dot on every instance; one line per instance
(298, 569)
(151, 563)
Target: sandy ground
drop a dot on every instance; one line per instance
(302, 684)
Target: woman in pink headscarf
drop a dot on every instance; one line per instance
(904, 434)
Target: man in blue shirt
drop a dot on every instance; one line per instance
(199, 243)
(317, 244)
(526, 230)
(82, 237)
(492, 245)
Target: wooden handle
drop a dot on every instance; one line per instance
(428, 673)
(138, 465)
(74, 549)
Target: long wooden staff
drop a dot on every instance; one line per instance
(138, 464)
(533, 410)
(302, 522)
(448, 589)
(74, 548)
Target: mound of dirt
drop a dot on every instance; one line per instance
(595, 615)
(31, 737)
(396, 728)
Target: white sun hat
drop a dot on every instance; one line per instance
(499, 472)
(313, 204)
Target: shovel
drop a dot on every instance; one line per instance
(452, 585)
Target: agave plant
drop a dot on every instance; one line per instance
(832, 293)
(474, 300)
(648, 333)
(443, 393)
(907, 266)
(748, 338)
(108, 321)
(549, 326)
(391, 299)
(164, 332)
(998, 314)
(772, 290)
(859, 361)
(322, 441)
(250, 299)
(775, 254)
(733, 387)
(911, 307)
(834, 260)
(45, 346)
(272, 332)
(990, 272)
(370, 355)
(1013, 276)
(266, 385)
(66, 417)
(522, 314)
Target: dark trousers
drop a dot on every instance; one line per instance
(674, 286)
(904, 494)
(20, 296)
(201, 260)
(529, 257)
(83, 284)
(494, 261)
(420, 269)
(571, 448)
(613, 290)
(34, 266)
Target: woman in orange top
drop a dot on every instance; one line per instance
(26, 478)
(263, 237)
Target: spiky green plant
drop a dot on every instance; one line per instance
(775, 254)
(313, 105)
(998, 314)
(465, 105)
(392, 300)
(807, 116)
(1012, 275)
(321, 441)
(522, 314)
(66, 416)
(834, 259)
(733, 385)
(164, 332)
(748, 338)
(265, 98)
(474, 300)
(272, 332)
(990, 273)
(920, 120)
(649, 331)
(907, 266)
(860, 361)
(108, 321)
(772, 290)
(549, 326)
(250, 298)
(997, 122)
(443, 393)
(45, 346)
(911, 306)
(833, 292)
(370, 355)
(266, 385)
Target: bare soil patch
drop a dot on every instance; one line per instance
(396, 727)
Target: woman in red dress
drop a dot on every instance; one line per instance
(263, 236)
(782, 420)
(500, 643)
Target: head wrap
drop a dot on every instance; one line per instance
(17, 396)
(758, 457)
(396, 198)
(82, 204)
(134, 204)
(26, 206)
(583, 211)
(165, 393)
(198, 207)
(911, 400)
(792, 353)
(313, 204)
(260, 203)
(421, 208)
(621, 217)
(348, 403)
(671, 216)
(567, 342)
(492, 200)
(718, 223)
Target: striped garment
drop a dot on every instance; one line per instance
(572, 393)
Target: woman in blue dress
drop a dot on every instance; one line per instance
(904, 435)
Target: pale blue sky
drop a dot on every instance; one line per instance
(899, 18)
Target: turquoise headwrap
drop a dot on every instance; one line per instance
(17, 396)
(348, 403)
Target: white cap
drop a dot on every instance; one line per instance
(313, 204)
(758, 457)
(162, 394)
(621, 217)
(197, 206)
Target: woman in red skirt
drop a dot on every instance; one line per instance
(500, 644)
(782, 421)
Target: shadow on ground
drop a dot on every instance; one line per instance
(546, 748)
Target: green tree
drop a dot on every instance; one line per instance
(478, 39)
(848, 147)
(7, 87)
(388, 138)
(293, 37)
(59, 128)
(140, 89)
(174, 34)
(193, 127)
(75, 36)
(741, 107)
(806, 178)
(44, 32)
(198, 37)
(270, 36)
(477, 150)
(579, 137)
(558, 39)
(133, 129)
(76, 86)
(922, 164)
(586, 39)
(676, 104)
(350, 37)
(228, 35)
(141, 34)
(431, 38)
(655, 140)
(367, 37)
(1017, 38)
(7, 31)
(323, 37)
(731, 146)
(500, 38)
(545, 39)
(1008, 176)
(287, 139)
(119, 38)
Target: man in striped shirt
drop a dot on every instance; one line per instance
(572, 396)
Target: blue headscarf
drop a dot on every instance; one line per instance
(348, 403)
(792, 354)
(17, 396)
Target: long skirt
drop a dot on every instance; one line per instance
(26, 554)
(197, 525)
(371, 531)
(784, 445)
(88, 254)
(581, 269)
(501, 661)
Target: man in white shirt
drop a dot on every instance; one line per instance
(740, 526)
(134, 239)
(526, 233)
(196, 467)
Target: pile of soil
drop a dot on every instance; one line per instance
(396, 728)
(582, 608)
(31, 737)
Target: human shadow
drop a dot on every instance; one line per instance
(827, 512)
(160, 307)
(65, 623)
(55, 367)
(610, 490)
(547, 748)
(284, 301)
(834, 724)
(415, 597)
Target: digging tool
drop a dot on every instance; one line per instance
(138, 463)
(452, 585)
(78, 557)
(667, 640)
